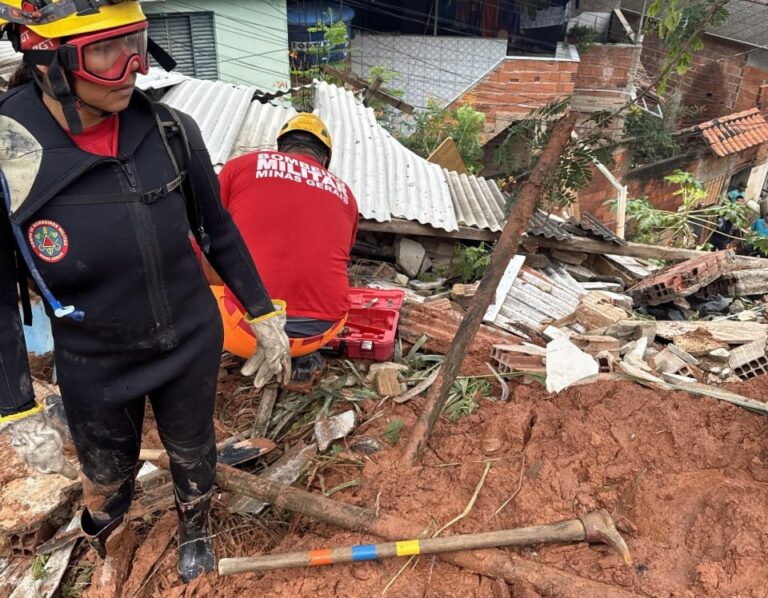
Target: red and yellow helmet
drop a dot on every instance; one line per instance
(52, 19)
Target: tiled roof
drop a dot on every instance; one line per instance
(735, 133)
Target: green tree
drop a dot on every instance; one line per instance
(681, 26)
(692, 224)
(435, 123)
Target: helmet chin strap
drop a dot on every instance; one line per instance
(60, 89)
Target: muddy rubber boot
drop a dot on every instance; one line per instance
(196, 554)
(109, 575)
(97, 534)
(307, 367)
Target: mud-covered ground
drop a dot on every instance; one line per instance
(687, 476)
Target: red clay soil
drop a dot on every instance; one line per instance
(688, 475)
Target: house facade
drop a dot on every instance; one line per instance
(239, 41)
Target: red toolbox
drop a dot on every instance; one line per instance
(371, 325)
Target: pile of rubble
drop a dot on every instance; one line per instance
(561, 317)
(569, 316)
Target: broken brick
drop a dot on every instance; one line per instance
(742, 283)
(439, 322)
(681, 280)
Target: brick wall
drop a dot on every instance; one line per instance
(753, 81)
(593, 198)
(518, 85)
(603, 80)
(648, 181)
(713, 171)
(725, 76)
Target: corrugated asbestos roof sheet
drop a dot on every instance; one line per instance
(219, 109)
(387, 179)
(260, 128)
(588, 225)
(9, 61)
(541, 225)
(735, 133)
(158, 78)
(534, 298)
(477, 201)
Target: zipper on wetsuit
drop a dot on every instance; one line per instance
(127, 169)
(150, 255)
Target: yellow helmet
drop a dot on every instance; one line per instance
(308, 123)
(64, 18)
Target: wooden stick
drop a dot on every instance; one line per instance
(505, 250)
(264, 414)
(639, 250)
(491, 563)
(565, 531)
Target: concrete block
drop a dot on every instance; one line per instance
(410, 256)
(681, 280)
(667, 362)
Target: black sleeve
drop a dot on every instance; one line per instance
(229, 255)
(16, 393)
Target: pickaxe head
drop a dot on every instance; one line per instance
(599, 527)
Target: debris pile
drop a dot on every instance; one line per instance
(507, 452)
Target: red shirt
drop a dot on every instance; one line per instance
(100, 140)
(299, 222)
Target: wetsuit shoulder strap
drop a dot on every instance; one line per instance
(174, 136)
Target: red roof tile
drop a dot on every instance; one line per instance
(736, 132)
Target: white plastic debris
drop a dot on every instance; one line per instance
(332, 428)
(567, 364)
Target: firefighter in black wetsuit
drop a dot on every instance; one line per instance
(108, 233)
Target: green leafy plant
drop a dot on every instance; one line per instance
(472, 262)
(681, 26)
(435, 123)
(462, 399)
(692, 224)
(582, 36)
(76, 579)
(393, 430)
(38, 567)
(520, 150)
(652, 138)
(334, 37)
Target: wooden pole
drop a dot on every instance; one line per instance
(505, 250)
(562, 532)
(491, 563)
(639, 250)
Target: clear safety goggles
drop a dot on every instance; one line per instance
(108, 57)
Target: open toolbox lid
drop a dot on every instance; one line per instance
(362, 298)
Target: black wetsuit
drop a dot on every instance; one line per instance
(107, 242)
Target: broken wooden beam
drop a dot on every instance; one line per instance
(640, 250)
(505, 249)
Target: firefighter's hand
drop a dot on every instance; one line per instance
(37, 443)
(272, 360)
